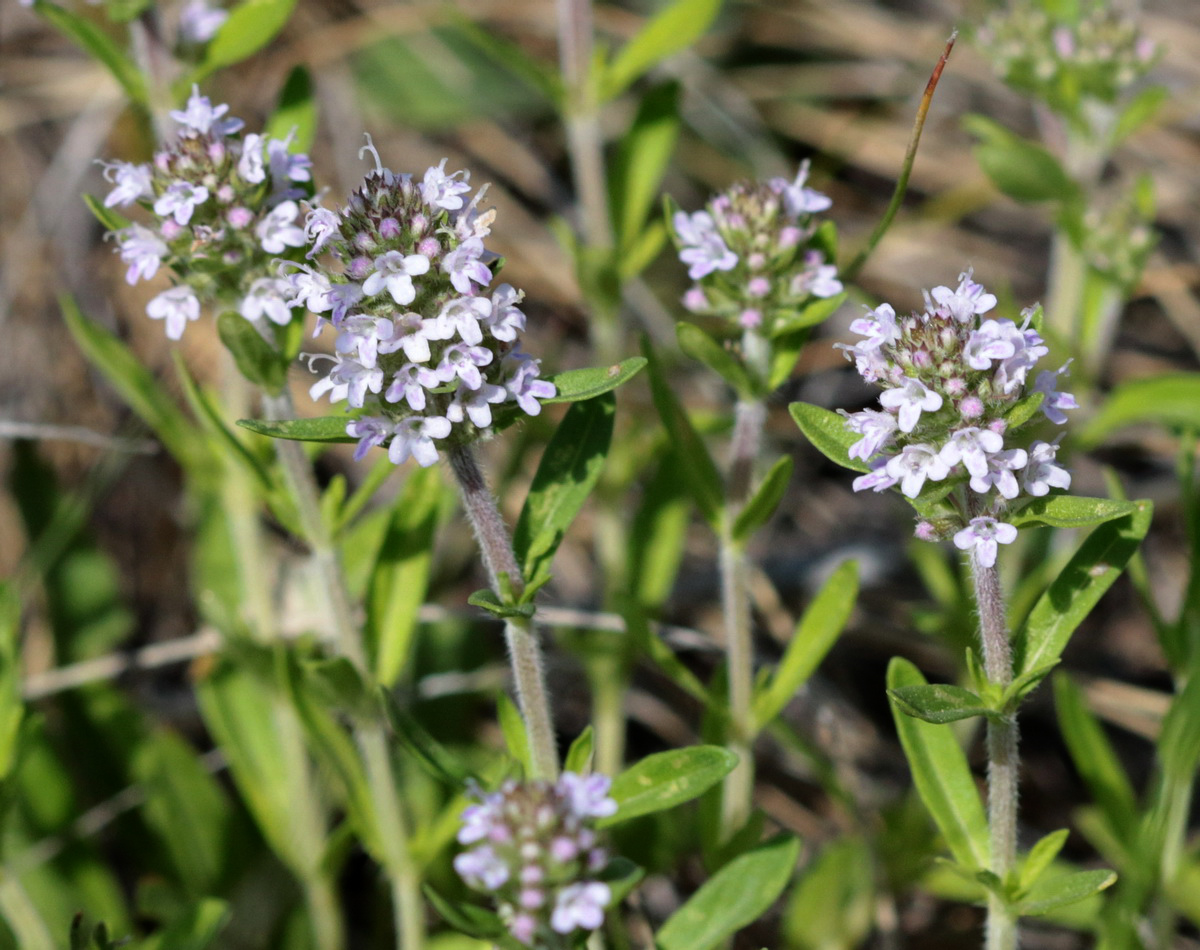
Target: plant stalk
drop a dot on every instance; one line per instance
(1002, 753)
(524, 651)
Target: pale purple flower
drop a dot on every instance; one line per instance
(462, 315)
(587, 795)
(462, 361)
(131, 182)
(287, 166)
(279, 231)
(177, 307)
(999, 474)
(203, 117)
(481, 867)
(198, 22)
(409, 384)
(268, 297)
(366, 335)
(320, 225)
(1011, 373)
(370, 432)
(797, 198)
(309, 289)
(704, 250)
(1041, 474)
(993, 340)
(251, 167)
(910, 399)
(414, 436)
(348, 380)
(341, 298)
(394, 272)
(1054, 402)
(411, 333)
(440, 190)
(878, 479)
(870, 363)
(580, 906)
(464, 265)
(878, 326)
(876, 429)
(972, 446)
(914, 465)
(475, 405)
(966, 301)
(523, 382)
(142, 250)
(981, 537)
(179, 200)
(818, 279)
(505, 321)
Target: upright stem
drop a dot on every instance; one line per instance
(524, 652)
(1003, 761)
(407, 905)
(737, 798)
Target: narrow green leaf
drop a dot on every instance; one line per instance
(1023, 685)
(1071, 511)
(1024, 410)
(734, 897)
(817, 310)
(99, 46)
(1093, 755)
(1021, 169)
(321, 429)
(515, 736)
(538, 75)
(698, 471)
(340, 688)
(141, 392)
(943, 779)
(1140, 110)
(676, 27)
(1049, 894)
(579, 756)
(488, 600)
(1179, 741)
(250, 27)
(565, 477)
(256, 359)
(667, 779)
(658, 535)
(430, 754)
(764, 501)
(471, 920)
(815, 634)
(832, 906)
(1073, 594)
(641, 160)
(704, 349)
(1040, 857)
(1169, 400)
(828, 433)
(106, 216)
(576, 385)
(296, 112)
(939, 702)
(197, 928)
(785, 350)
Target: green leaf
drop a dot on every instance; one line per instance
(197, 928)
(1093, 755)
(338, 685)
(256, 359)
(658, 534)
(734, 897)
(1049, 894)
(815, 634)
(622, 876)
(471, 920)
(828, 433)
(1019, 168)
(832, 906)
(430, 754)
(704, 349)
(641, 160)
(1140, 110)
(576, 385)
(297, 111)
(1170, 400)
(250, 27)
(1040, 857)
(579, 756)
(764, 501)
(141, 392)
(1179, 741)
(697, 469)
(1023, 685)
(1071, 511)
(106, 216)
(817, 310)
(515, 735)
(565, 477)
(487, 600)
(1073, 594)
(676, 27)
(321, 429)
(939, 702)
(667, 779)
(99, 46)
(1024, 410)
(940, 772)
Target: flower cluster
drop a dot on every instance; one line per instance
(752, 254)
(402, 274)
(1097, 54)
(225, 208)
(533, 849)
(953, 383)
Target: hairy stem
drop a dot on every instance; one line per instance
(524, 651)
(737, 799)
(1003, 758)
